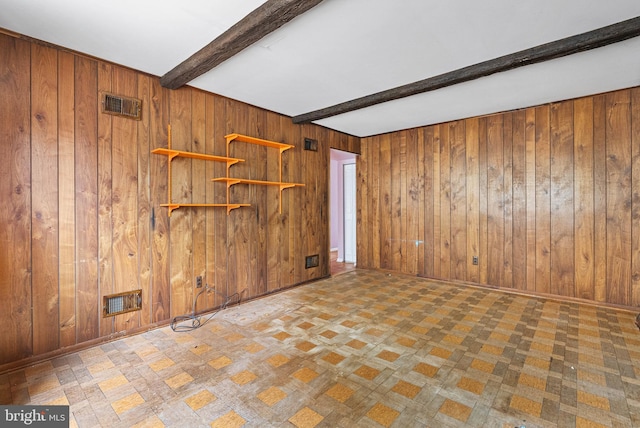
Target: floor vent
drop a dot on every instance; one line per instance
(121, 106)
(121, 303)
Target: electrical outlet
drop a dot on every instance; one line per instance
(198, 282)
(475, 260)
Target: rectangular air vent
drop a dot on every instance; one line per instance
(311, 261)
(311, 144)
(121, 303)
(122, 106)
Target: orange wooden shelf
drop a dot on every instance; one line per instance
(179, 153)
(172, 154)
(230, 181)
(258, 141)
(228, 206)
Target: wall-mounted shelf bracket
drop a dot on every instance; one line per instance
(282, 147)
(229, 161)
(172, 154)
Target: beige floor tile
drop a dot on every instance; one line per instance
(199, 400)
(360, 349)
(179, 380)
(305, 375)
(455, 410)
(220, 362)
(272, 395)
(243, 377)
(161, 364)
(127, 403)
(382, 414)
(367, 372)
(306, 418)
(229, 420)
(340, 392)
(407, 389)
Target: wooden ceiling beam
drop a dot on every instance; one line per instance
(270, 16)
(579, 43)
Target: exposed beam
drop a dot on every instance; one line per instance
(270, 16)
(579, 43)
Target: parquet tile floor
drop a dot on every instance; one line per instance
(361, 349)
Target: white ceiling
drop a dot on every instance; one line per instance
(345, 49)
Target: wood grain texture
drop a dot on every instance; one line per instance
(403, 237)
(44, 196)
(495, 201)
(273, 239)
(457, 139)
(265, 197)
(418, 135)
(386, 204)
(221, 219)
(159, 295)
(530, 174)
(519, 201)
(429, 186)
(375, 204)
(543, 201)
(66, 198)
(99, 226)
(297, 174)
(105, 198)
(346, 143)
(305, 232)
(240, 237)
(600, 198)
(364, 251)
(483, 239)
(108, 196)
(291, 215)
(618, 167)
(181, 240)
(396, 219)
(562, 190)
(144, 201)
(584, 209)
(321, 201)
(437, 190)
(445, 202)
(550, 205)
(635, 213)
(247, 219)
(472, 177)
(507, 180)
(200, 181)
(124, 167)
(210, 299)
(88, 300)
(414, 189)
(16, 342)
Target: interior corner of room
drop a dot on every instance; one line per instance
(137, 194)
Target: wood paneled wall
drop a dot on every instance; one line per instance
(81, 218)
(547, 198)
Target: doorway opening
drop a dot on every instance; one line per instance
(342, 212)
